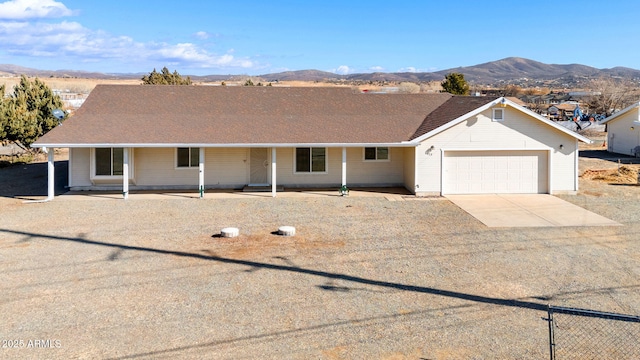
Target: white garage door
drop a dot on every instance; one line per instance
(495, 172)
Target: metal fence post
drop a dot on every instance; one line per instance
(552, 344)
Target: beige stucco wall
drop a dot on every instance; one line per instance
(223, 167)
(518, 131)
(621, 139)
(79, 173)
(359, 172)
(155, 168)
(230, 168)
(382, 173)
(410, 168)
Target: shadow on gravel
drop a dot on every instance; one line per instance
(260, 265)
(26, 180)
(607, 156)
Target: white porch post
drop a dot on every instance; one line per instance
(125, 173)
(273, 172)
(344, 166)
(201, 173)
(51, 175)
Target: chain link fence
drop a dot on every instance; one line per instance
(585, 334)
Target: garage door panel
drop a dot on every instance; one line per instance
(482, 172)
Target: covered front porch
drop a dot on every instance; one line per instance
(263, 170)
(389, 193)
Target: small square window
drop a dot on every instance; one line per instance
(188, 157)
(310, 160)
(382, 153)
(109, 161)
(103, 161)
(370, 153)
(498, 114)
(376, 153)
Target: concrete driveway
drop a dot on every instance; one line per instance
(527, 210)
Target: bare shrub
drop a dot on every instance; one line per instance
(408, 88)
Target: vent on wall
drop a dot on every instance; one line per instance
(498, 114)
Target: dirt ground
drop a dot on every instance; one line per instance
(84, 86)
(592, 156)
(363, 277)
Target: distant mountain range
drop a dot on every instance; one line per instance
(513, 70)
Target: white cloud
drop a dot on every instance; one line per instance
(376, 69)
(202, 35)
(33, 9)
(74, 43)
(194, 56)
(185, 51)
(408, 69)
(416, 70)
(343, 70)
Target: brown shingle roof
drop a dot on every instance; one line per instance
(132, 114)
(452, 109)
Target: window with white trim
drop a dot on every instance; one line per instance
(109, 161)
(310, 160)
(187, 157)
(498, 114)
(376, 153)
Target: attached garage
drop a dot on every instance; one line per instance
(499, 171)
(497, 148)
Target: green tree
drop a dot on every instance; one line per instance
(3, 117)
(165, 77)
(28, 113)
(454, 83)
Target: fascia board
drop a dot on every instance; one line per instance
(216, 145)
(620, 113)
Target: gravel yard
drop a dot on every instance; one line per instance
(364, 277)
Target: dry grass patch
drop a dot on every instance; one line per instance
(71, 85)
(621, 175)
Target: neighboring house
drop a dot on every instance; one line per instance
(562, 109)
(204, 137)
(623, 131)
(516, 101)
(71, 101)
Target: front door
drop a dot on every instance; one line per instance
(258, 166)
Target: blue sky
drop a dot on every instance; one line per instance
(259, 37)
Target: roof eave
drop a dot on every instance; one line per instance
(620, 113)
(454, 122)
(230, 145)
(549, 122)
(505, 102)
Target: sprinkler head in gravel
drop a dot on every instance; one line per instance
(229, 232)
(286, 231)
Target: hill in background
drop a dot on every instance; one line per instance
(525, 72)
(513, 70)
